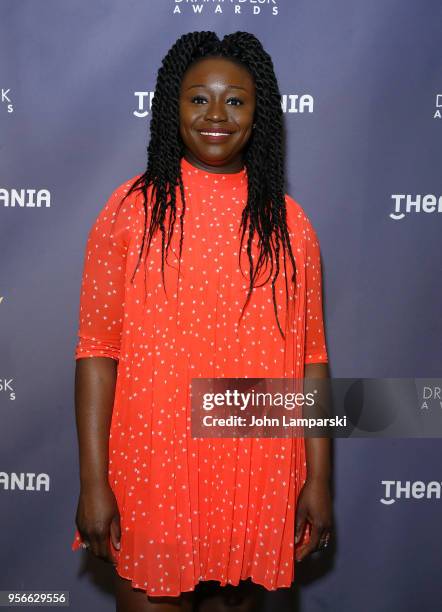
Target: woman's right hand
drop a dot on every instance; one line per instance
(98, 519)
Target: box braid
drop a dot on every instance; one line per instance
(265, 212)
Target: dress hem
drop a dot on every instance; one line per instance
(221, 583)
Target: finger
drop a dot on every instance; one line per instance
(115, 532)
(309, 546)
(300, 525)
(325, 538)
(315, 536)
(109, 555)
(84, 537)
(299, 531)
(94, 545)
(302, 551)
(99, 546)
(105, 548)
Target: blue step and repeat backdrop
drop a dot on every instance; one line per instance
(362, 97)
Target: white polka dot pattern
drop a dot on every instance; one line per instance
(197, 509)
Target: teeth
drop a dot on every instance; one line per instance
(215, 133)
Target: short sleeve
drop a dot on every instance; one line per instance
(103, 283)
(315, 342)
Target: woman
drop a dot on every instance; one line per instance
(199, 267)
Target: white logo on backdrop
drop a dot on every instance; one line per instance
(438, 111)
(24, 481)
(296, 103)
(6, 385)
(144, 103)
(431, 397)
(6, 100)
(290, 103)
(25, 198)
(221, 7)
(397, 489)
(415, 204)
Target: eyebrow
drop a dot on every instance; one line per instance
(228, 86)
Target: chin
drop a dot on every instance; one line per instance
(214, 158)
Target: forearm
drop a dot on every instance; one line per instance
(317, 452)
(95, 379)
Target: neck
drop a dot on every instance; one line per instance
(231, 167)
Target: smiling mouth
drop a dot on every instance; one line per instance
(216, 134)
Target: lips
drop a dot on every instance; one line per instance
(215, 134)
(215, 129)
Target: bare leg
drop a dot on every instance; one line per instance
(246, 597)
(129, 599)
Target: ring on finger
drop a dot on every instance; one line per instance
(323, 543)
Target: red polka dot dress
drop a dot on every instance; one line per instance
(195, 509)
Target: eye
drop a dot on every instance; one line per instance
(199, 100)
(234, 101)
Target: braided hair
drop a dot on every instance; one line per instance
(265, 211)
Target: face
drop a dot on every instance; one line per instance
(217, 105)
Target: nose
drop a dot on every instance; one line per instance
(215, 111)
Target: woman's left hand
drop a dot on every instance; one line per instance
(315, 507)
